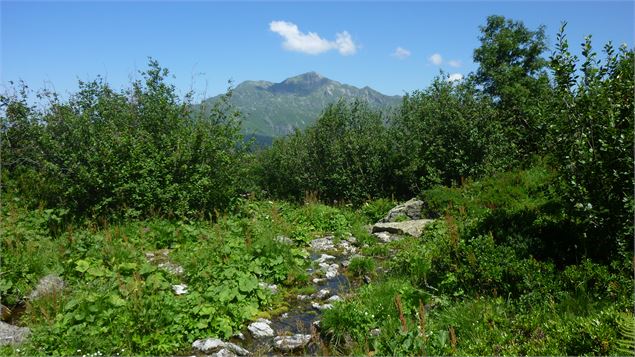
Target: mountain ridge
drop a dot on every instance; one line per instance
(276, 109)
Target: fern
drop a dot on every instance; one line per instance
(626, 328)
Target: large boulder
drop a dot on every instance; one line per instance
(413, 228)
(12, 335)
(409, 210)
(220, 347)
(50, 284)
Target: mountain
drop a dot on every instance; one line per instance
(276, 109)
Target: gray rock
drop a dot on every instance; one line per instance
(384, 237)
(48, 285)
(375, 332)
(347, 247)
(208, 345)
(321, 307)
(180, 289)
(318, 280)
(411, 210)
(236, 349)
(303, 297)
(283, 240)
(322, 294)
(330, 270)
(324, 257)
(413, 228)
(260, 328)
(171, 268)
(291, 343)
(334, 298)
(224, 352)
(321, 244)
(271, 287)
(345, 263)
(12, 335)
(240, 336)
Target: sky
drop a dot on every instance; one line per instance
(393, 47)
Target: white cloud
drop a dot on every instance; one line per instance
(401, 53)
(311, 43)
(455, 77)
(436, 59)
(455, 63)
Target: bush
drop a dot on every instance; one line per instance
(131, 154)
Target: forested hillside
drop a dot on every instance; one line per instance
(134, 223)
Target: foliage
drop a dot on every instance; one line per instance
(592, 144)
(131, 153)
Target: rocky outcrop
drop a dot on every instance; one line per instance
(409, 210)
(413, 228)
(12, 335)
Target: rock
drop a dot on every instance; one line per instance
(180, 289)
(413, 228)
(367, 279)
(411, 210)
(49, 284)
(318, 280)
(324, 257)
(240, 336)
(345, 263)
(291, 343)
(171, 268)
(351, 239)
(375, 332)
(321, 307)
(260, 328)
(303, 297)
(316, 325)
(284, 316)
(236, 349)
(271, 287)
(347, 247)
(334, 298)
(208, 345)
(325, 243)
(283, 240)
(223, 353)
(384, 237)
(12, 335)
(322, 294)
(330, 270)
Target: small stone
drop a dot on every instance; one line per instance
(261, 328)
(223, 353)
(324, 257)
(316, 325)
(236, 349)
(367, 279)
(180, 289)
(172, 268)
(375, 332)
(208, 345)
(290, 343)
(284, 316)
(330, 270)
(383, 237)
(283, 240)
(346, 263)
(325, 243)
(322, 294)
(240, 336)
(334, 298)
(321, 307)
(271, 287)
(303, 297)
(318, 280)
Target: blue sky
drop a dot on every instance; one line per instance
(204, 44)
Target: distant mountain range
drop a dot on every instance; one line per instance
(276, 109)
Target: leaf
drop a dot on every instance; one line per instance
(116, 300)
(247, 283)
(82, 265)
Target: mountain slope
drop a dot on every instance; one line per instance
(276, 109)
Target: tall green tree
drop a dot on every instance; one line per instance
(513, 71)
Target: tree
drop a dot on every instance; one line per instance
(512, 70)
